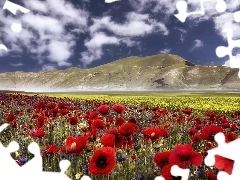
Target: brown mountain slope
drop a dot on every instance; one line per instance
(164, 71)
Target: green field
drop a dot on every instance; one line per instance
(199, 101)
(168, 119)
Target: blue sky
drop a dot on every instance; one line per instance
(59, 34)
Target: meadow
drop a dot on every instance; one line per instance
(122, 135)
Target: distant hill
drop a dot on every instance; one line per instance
(158, 72)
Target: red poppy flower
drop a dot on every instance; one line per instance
(166, 171)
(109, 119)
(180, 119)
(92, 115)
(210, 131)
(126, 129)
(74, 145)
(132, 120)
(108, 140)
(39, 133)
(185, 154)
(119, 139)
(187, 111)
(47, 113)
(233, 127)
(10, 117)
(14, 123)
(63, 111)
(161, 112)
(92, 135)
(162, 158)
(211, 175)
(51, 105)
(40, 121)
(198, 126)
(103, 109)
(51, 149)
(97, 124)
(155, 108)
(192, 131)
(230, 137)
(61, 105)
(226, 125)
(196, 138)
(73, 120)
(119, 121)
(54, 111)
(222, 163)
(103, 161)
(41, 104)
(210, 113)
(133, 157)
(154, 133)
(118, 108)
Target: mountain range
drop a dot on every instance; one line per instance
(157, 72)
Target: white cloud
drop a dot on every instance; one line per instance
(226, 21)
(221, 20)
(46, 28)
(130, 42)
(165, 51)
(197, 44)
(60, 51)
(16, 64)
(95, 47)
(166, 6)
(38, 6)
(49, 28)
(136, 25)
(90, 56)
(100, 39)
(183, 33)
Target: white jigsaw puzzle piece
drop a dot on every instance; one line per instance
(12, 7)
(16, 27)
(8, 165)
(2, 46)
(111, 1)
(228, 150)
(183, 14)
(159, 178)
(32, 169)
(236, 16)
(36, 162)
(222, 51)
(177, 171)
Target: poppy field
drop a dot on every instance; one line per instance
(121, 137)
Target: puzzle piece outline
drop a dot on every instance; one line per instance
(222, 51)
(183, 14)
(16, 27)
(228, 150)
(34, 166)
